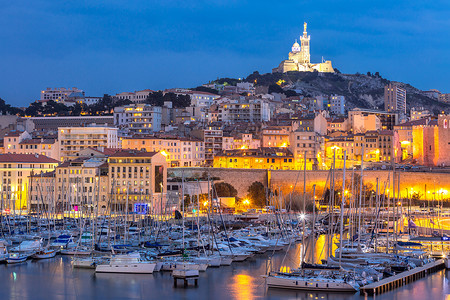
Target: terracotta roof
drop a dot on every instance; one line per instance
(386, 132)
(14, 133)
(110, 151)
(414, 123)
(26, 158)
(133, 153)
(202, 93)
(38, 141)
(146, 90)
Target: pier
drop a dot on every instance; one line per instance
(401, 279)
(185, 275)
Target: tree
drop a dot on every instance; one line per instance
(257, 194)
(275, 88)
(206, 89)
(8, 109)
(77, 109)
(33, 109)
(290, 93)
(224, 189)
(178, 101)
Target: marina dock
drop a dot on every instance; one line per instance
(401, 279)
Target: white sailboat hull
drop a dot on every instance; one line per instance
(310, 284)
(225, 261)
(134, 268)
(16, 258)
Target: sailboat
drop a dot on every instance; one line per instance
(318, 279)
(44, 254)
(322, 281)
(126, 263)
(15, 258)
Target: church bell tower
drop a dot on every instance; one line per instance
(304, 41)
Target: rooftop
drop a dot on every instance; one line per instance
(26, 158)
(133, 153)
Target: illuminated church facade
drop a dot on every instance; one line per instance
(299, 58)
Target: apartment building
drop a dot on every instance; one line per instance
(12, 140)
(81, 186)
(138, 181)
(74, 139)
(395, 99)
(276, 136)
(253, 110)
(240, 141)
(337, 105)
(419, 113)
(138, 118)
(41, 193)
(58, 94)
(262, 158)
(212, 137)
(48, 147)
(179, 152)
(361, 120)
(135, 97)
(307, 145)
(14, 172)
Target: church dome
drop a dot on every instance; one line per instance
(295, 47)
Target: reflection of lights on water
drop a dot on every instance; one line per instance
(243, 286)
(14, 276)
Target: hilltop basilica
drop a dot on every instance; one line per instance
(299, 58)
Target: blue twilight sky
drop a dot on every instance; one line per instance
(112, 46)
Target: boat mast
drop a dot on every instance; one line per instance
(341, 232)
(182, 199)
(304, 209)
(361, 182)
(313, 248)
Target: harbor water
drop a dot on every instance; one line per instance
(55, 279)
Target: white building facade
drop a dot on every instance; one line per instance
(74, 139)
(138, 118)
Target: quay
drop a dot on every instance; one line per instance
(185, 275)
(401, 279)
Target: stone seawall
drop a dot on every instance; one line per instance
(435, 185)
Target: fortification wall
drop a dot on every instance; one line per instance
(435, 185)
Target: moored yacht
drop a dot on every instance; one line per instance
(126, 263)
(311, 283)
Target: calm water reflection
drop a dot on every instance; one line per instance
(55, 279)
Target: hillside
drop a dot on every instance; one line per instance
(365, 91)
